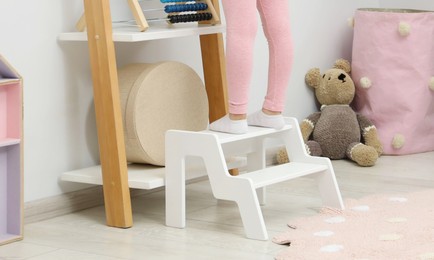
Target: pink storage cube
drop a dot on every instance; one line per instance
(393, 69)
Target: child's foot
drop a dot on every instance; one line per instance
(261, 119)
(227, 125)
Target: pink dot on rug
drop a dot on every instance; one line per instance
(324, 233)
(398, 199)
(427, 256)
(334, 220)
(396, 220)
(331, 248)
(389, 237)
(361, 208)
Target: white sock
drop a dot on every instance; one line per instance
(261, 119)
(226, 125)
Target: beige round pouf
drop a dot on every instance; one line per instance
(156, 98)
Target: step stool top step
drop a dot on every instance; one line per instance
(253, 132)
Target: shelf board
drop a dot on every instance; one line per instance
(8, 141)
(7, 81)
(154, 32)
(142, 176)
(139, 176)
(8, 238)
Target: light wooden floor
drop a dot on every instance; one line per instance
(214, 229)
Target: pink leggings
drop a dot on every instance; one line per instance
(242, 25)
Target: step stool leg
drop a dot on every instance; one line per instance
(329, 190)
(179, 145)
(326, 180)
(256, 161)
(224, 185)
(262, 195)
(251, 214)
(236, 189)
(175, 188)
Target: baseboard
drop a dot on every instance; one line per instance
(67, 203)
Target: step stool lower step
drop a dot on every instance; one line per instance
(283, 172)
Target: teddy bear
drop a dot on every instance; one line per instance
(337, 131)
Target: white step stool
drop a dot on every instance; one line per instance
(214, 147)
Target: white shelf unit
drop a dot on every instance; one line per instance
(155, 32)
(11, 173)
(145, 176)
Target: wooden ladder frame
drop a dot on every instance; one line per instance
(140, 18)
(108, 110)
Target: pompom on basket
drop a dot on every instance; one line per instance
(393, 69)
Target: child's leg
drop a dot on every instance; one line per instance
(241, 28)
(276, 24)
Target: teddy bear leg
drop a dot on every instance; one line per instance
(362, 154)
(371, 139)
(313, 148)
(282, 156)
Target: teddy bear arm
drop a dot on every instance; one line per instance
(308, 124)
(369, 133)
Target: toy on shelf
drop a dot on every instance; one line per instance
(173, 11)
(337, 132)
(178, 11)
(151, 106)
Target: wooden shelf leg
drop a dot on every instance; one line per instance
(108, 113)
(214, 69)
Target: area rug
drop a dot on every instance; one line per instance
(375, 227)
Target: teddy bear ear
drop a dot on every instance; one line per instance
(313, 77)
(343, 65)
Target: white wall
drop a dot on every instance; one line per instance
(59, 123)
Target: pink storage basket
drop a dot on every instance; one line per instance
(393, 69)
